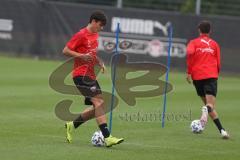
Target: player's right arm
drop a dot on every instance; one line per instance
(68, 52)
(190, 52)
(71, 47)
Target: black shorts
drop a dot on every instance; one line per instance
(206, 86)
(89, 88)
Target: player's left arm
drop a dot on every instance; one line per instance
(218, 54)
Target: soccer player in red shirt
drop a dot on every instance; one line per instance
(203, 66)
(83, 47)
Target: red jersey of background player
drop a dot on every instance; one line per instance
(84, 42)
(203, 58)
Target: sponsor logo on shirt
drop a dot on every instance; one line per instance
(205, 50)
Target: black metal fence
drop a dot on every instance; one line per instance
(207, 7)
(41, 29)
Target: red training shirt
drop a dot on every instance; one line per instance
(84, 42)
(203, 58)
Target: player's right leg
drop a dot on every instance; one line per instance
(203, 98)
(102, 122)
(204, 116)
(199, 86)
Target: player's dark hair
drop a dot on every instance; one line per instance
(205, 27)
(98, 16)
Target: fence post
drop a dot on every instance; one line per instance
(198, 7)
(119, 3)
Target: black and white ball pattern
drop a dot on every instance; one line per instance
(196, 126)
(97, 139)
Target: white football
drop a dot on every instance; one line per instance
(196, 126)
(97, 139)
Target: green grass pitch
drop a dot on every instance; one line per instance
(30, 130)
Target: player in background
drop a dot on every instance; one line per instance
(203, 66)
(83, 47)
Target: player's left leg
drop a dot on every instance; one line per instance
(101, 119)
